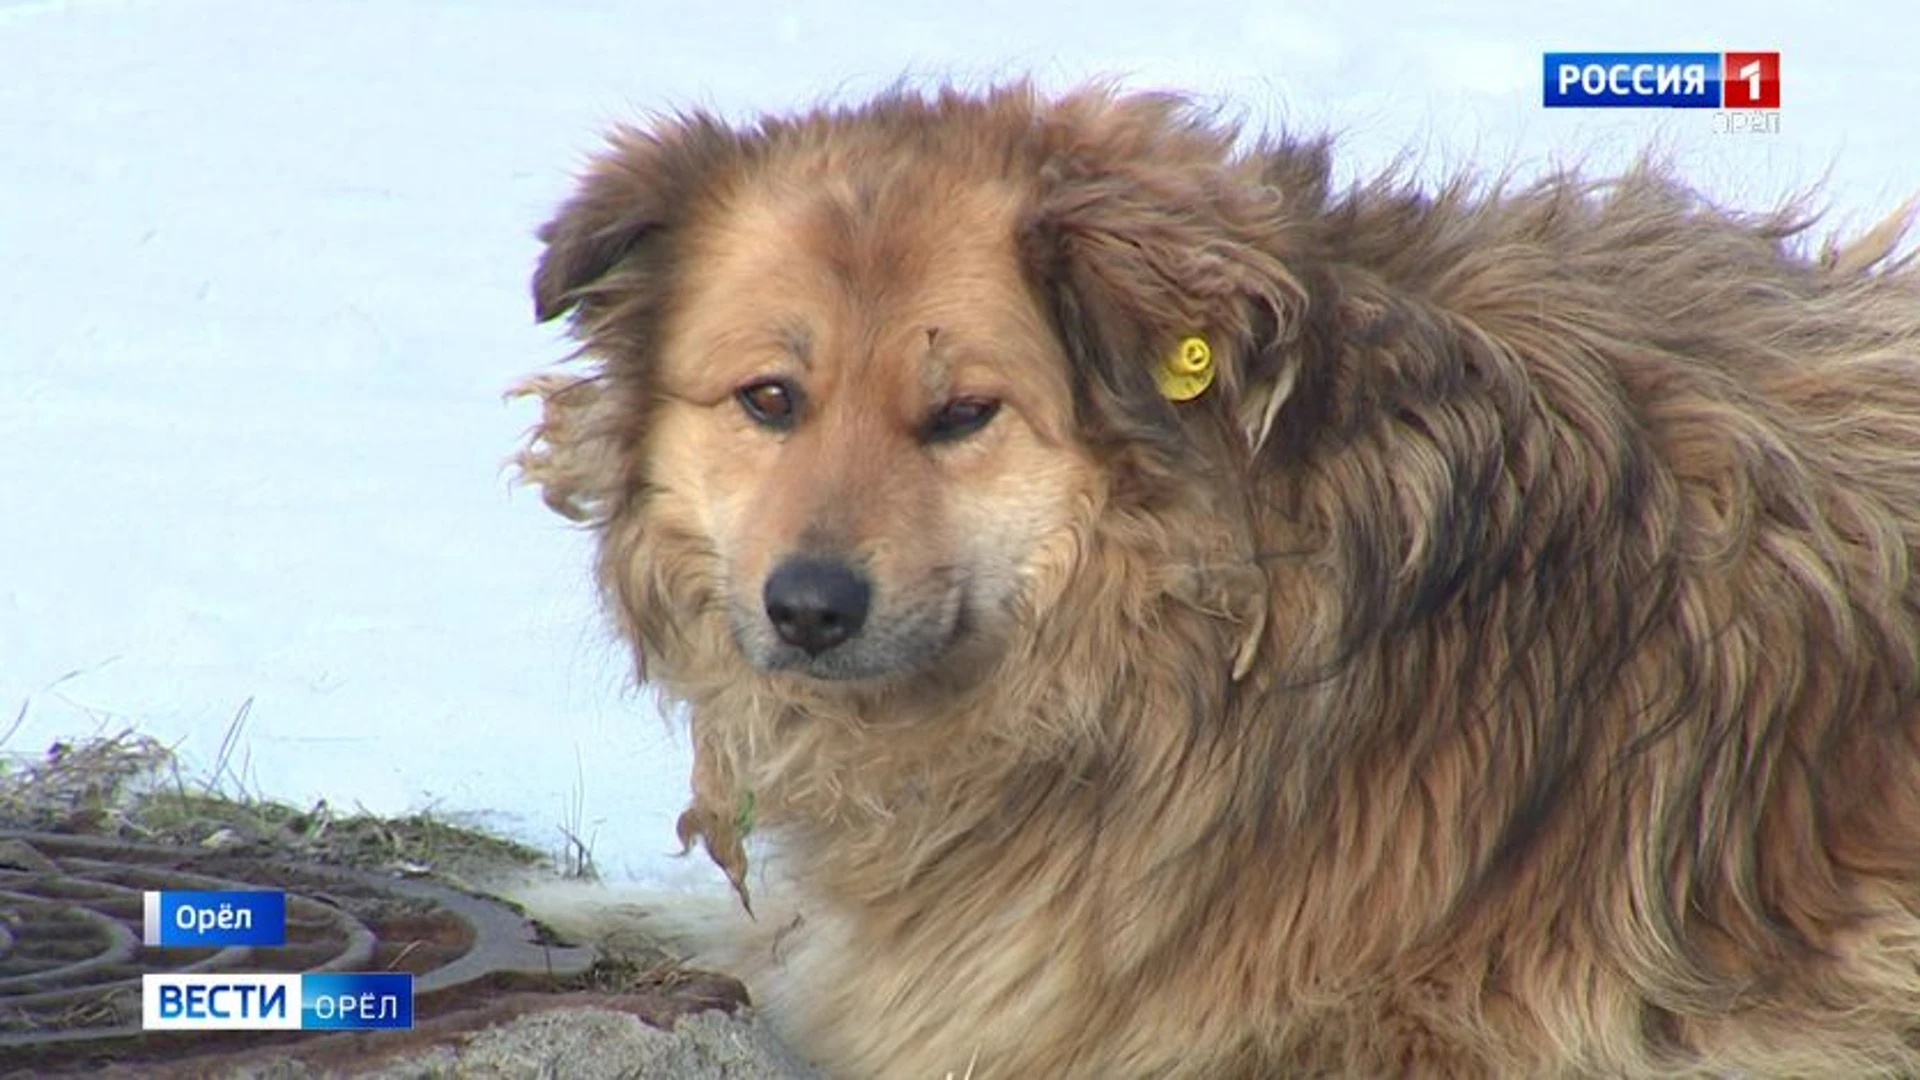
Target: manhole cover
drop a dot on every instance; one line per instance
(71, 955)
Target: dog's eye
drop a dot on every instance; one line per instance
(958, 419)
(771, 403)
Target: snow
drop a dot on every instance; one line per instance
(263, 279)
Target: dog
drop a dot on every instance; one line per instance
(1151, 612)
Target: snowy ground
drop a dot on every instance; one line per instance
(262, 280)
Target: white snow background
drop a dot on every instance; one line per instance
(263, 274)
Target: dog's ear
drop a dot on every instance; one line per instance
(1147, 233)
(624, 209)
(615, 207)
(609, 262)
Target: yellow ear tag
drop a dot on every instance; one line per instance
(1187, 372)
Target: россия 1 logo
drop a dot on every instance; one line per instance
(1702, 80)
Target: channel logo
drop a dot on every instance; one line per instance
(315, 1001)
(1680, 80)
(233, 1001)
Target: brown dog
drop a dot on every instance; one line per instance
(1167, 618)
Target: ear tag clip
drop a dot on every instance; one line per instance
(1187, 372)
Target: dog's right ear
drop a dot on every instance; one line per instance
(609, 261)
(633, 194)
(617, 204)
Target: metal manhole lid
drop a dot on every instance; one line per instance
(71, 955)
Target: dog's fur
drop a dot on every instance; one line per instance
(1509, 665)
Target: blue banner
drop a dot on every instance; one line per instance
(195, 920)
(316, 1001)
(341, 1001)
(1620, 80)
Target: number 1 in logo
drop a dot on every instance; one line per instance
(1751, 80)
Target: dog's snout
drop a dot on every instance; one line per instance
(815, 604)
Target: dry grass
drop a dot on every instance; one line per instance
(132, 787)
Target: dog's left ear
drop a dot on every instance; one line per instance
(1148, 234)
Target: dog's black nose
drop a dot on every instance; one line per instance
(816, 604)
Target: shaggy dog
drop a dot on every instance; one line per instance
(1159, 615)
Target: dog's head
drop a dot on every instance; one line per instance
(866, 380)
